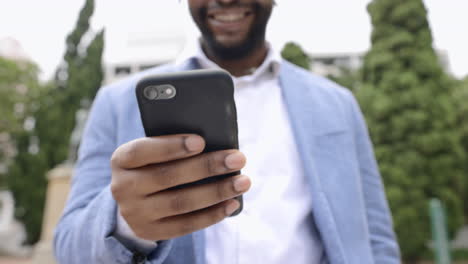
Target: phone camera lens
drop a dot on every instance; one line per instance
(151, 92)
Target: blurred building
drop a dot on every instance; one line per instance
(11, 230)
(332, 63)
(11, 48)
(326, 64)
(142, 51)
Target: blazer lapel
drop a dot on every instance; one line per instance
(310, 117)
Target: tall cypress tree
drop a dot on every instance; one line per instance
(77, 80)
(407, 100)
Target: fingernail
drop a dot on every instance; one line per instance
(235, 161)
(241, 184)
(232, 206)
(194, 143)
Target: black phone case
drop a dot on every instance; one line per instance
(203, 105)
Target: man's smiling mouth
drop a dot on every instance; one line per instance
(229, 15)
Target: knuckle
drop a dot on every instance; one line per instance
(165, 175)
(123, 186)
(116, 161)
(173, 148)
(163, 171)
(129, 152)
(156, 209)
(123, 154)
(127, 213)
(210, 164)
(178, 203)
(117, 190)
(220, 190)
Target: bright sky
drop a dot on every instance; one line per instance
(319, 26)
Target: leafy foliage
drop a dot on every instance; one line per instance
(348, 78)
(462, 99)
(293, 53)
(19, 87)
(15, 78)
(461, 96)
(20, 91)
(28, 184)
(75, 85)
(408, 103)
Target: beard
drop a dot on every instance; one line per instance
(255, 37)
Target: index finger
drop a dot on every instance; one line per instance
(151, 150)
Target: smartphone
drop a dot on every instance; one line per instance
(197, 102)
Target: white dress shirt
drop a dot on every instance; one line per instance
(275, 226)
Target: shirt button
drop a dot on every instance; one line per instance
(139, 258)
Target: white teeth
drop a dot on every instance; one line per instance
(229, 17)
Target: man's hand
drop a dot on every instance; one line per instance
(144, 169)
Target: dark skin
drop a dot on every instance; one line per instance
(238, 68)
(143, 170)
(248, 32)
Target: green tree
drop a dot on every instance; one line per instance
(76, 82)
(19, 90)
(28, 184)
(463, 106)
(349, 78)
(18, 87)
(8, 95)
(461, 96)
(11, 77)
(407, 100)
(293, 53)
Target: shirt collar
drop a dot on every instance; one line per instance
(269, 67)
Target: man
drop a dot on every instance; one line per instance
(315, 192)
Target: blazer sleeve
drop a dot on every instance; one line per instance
(384, 245)
(84, 233)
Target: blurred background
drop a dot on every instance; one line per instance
(405, 60)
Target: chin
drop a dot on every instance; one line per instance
(233, 50)
(230, 43)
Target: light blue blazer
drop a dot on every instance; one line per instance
(350, 209)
